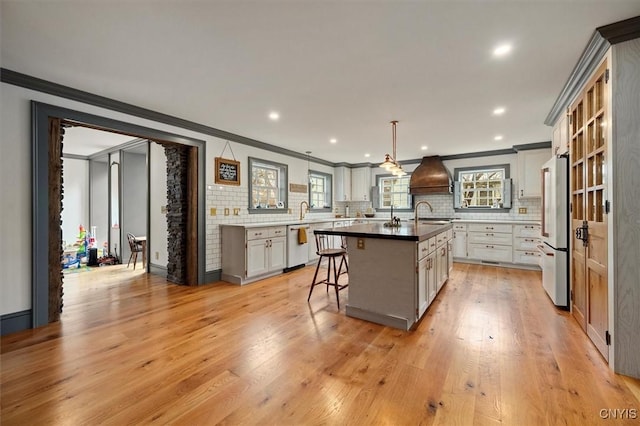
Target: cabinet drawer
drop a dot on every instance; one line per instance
(257, 233)
(528, 257)
(490, 252)
(526, 230)
(523, 243)
(459, 226)
(270, 232)
(490, 238)
(490, 227)
(441, 238)
(277, 231)
(423, 249)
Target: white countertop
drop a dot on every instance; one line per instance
(376, 219)
(506, 221)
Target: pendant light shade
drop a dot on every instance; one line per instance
(388, 163)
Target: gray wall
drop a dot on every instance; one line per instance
(626, 206)
(134, 198)
(99, 196)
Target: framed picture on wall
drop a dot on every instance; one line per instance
(227, 172)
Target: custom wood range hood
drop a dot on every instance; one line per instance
(430, 177)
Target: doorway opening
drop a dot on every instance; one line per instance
(49, 124)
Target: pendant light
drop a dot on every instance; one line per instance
(390, 164)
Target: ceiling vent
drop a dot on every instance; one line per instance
(430, 177)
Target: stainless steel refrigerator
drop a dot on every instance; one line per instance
(555, 230)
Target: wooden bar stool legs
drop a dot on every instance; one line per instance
(331, 254)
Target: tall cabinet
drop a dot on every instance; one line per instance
(602, 96)
(589, 212)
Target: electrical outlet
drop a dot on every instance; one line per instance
(522, 210)
(157, 255)
(226, 211)
(163, 209)
(213, 211)
(360, 244)
(236, 211)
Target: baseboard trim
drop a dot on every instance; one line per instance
(158, 270)
(498, 264)
(383, 319)
(212, 276)
(17, 321)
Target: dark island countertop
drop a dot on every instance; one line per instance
(406, 232)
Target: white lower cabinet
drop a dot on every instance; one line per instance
(264, 256)
(525, 244)
(490, 242)
(508, 244)
(249, 254)
(427, 287)
(460, 240)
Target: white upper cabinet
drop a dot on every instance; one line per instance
(529, 172)
(342, 188)
(361, 184)
(560, 141)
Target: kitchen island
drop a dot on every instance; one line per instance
(394, 272)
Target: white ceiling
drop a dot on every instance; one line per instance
(339, 69)
(84, 141)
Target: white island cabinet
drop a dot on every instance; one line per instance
(394, 273)
(250, 254)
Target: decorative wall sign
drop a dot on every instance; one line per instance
(294, 187)
(227, 172)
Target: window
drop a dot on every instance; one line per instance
(394, 190)
(267, 186)
(319, 190)
(482, 188)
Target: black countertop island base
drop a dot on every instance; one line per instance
(390, 271)
(411, 232)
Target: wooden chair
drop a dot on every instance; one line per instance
(136, 247)
(325, 250)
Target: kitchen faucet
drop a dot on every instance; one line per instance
(302, 210)
(415, 209)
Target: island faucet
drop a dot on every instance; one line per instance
(415, 209)
(302, 210)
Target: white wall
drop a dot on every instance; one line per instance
(157, 200)
(75, 204)
(134, 197)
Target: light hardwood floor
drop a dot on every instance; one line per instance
(133, 349)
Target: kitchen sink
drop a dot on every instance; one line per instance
(433, 222)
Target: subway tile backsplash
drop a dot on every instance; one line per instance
(232, 197)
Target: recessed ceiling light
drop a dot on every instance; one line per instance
(424, 147)
(498, 138)
(502, 50)
(333, 140)
(367, 155)
(274, 116)
(499, 111)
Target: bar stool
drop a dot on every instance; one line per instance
(324, 250)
